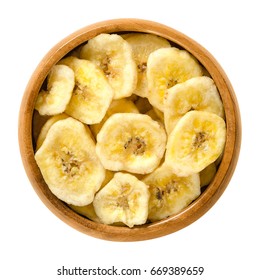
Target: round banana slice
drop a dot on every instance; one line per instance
(196, 141)
(167, 67)
(87, 211)
(199, 93)
(52, 120)
(92, 93)
(68, 163)
(124, 199)
(60, 84)
(131, 142)
(47, 126)
(114, 56)
(143, 45)
(169, 193)
(117, 106)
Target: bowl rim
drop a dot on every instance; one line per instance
(168, 225)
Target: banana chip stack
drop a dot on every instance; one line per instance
(134, 129)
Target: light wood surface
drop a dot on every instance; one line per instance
(172, 224)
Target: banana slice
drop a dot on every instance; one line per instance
(60, 85)
(117, 106)
(169, 193)
(207, 174)
(45, 128)
(92, 94)
(131, 142)
(68, 163)
(143, 45)
(87, 211)
(167, 67)
(199, 93)
(196, 141)
(124, 199)
(114, 56)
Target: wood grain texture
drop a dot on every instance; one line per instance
(172, 224)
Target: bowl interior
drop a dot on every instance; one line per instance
(209, 195)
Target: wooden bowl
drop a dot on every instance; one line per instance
(148, 231)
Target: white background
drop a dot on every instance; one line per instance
(34, 243)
